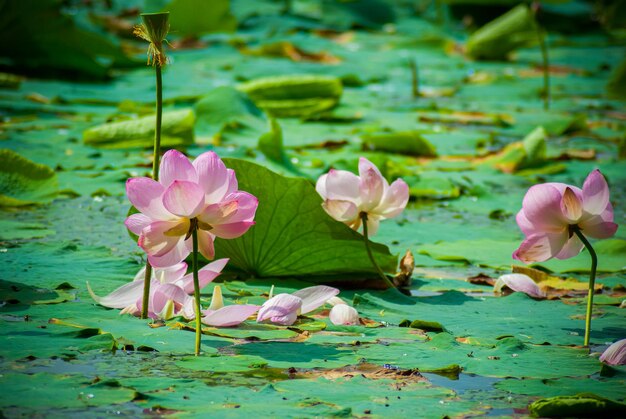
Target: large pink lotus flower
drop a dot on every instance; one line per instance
(347, 196)
(201, 195)
(284, 308)
(551, 211)
(169, 291)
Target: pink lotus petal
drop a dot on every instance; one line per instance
(121, 297)
(137, 222)
(212, 176)
(145, 195)
(205, 244)
(595, 193)
(286, 320)
(176, 166)
(525, 225)
(232, 231)
(188, 310)
(154, 241)
(601, 230)
(372, 185)
(205, 275)
(395, 199)
(572, 247)
(238, 206)
(170, 274)
(520, 283)
(343, 315)
(162, 293)
(229, 315)
(314, 297)
(542, 207)
(185, 199)
(174, 256)
(540, 247)
(233, 186)
(615, 354)
(571, 206)
(320, 186)
(247, 205)
(343, 211)
(279, 306)
(342, 185)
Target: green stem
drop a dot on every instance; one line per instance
(145, 301)
(157, 131)
(592, 280)
(545, 62)
(155, 176)
(196, 289)
(369, 252)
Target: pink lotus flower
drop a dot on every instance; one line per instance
(169, 289)
(284, 309)
(201, 195)
(615, 354)
(226, 316)
(347, 196)
(551, 211)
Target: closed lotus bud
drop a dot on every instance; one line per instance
(344, 315)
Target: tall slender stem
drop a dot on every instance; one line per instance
(155, 176)
(196, 289)
(382, 275)
(545, 61)
(592, 280)
(157, 131)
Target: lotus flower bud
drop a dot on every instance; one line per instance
(344, 315)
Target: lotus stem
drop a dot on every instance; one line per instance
(382, 275)
(196, 289)
(592, 280)
(154, 29)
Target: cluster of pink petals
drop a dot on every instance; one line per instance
(519, 283)
(283, 309)
(548, 211)
(169, 291)
(204, 191)
(615, 354)
(347, 195)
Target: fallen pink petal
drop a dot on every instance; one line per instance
(520, 283)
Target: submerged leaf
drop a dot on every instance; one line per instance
(23, 182)
(176, 130)
(512, 30)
